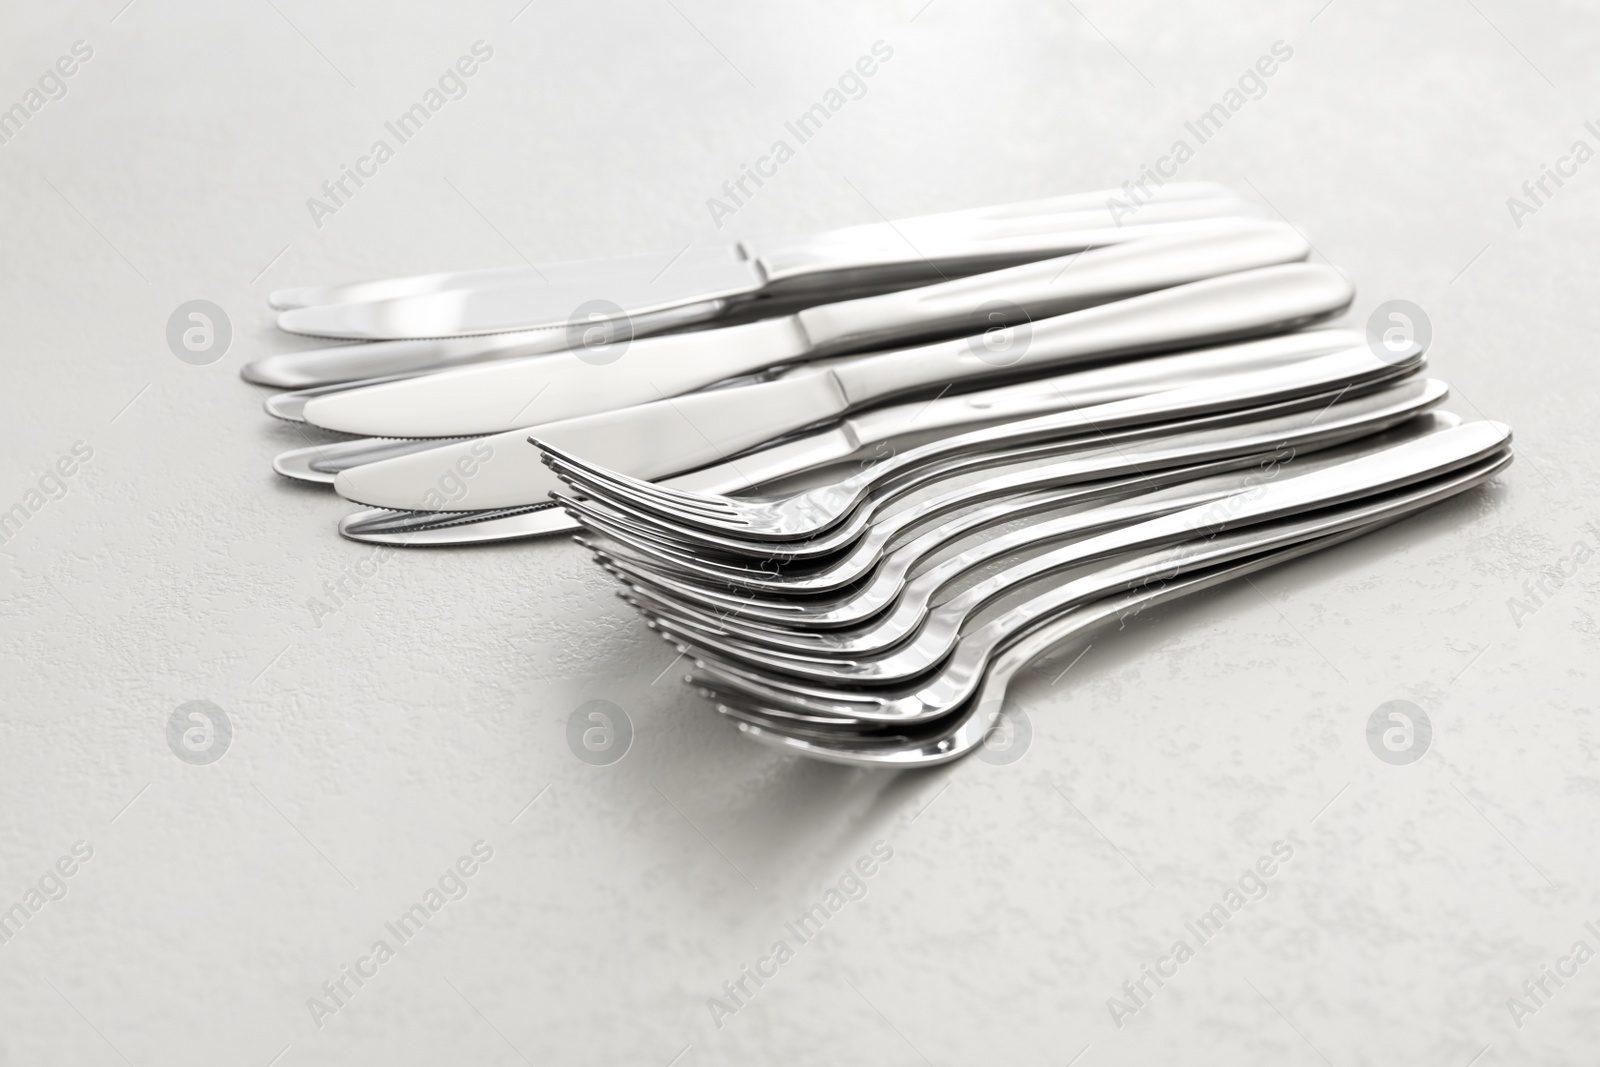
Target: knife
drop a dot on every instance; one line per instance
(508, 394)
(334, 367)
(1210, 196)
(597, 271)
(885, 255)
(682, 433)
(353, 365)
(895, 425)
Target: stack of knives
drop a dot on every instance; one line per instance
(729, 368)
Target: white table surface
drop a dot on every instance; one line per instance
(371, 751)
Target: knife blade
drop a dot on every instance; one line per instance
(882, 254)
(682, 433)
(507, 394)
(898, 425)
(596, 271)
(335, 367)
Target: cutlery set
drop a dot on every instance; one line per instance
(957, 442)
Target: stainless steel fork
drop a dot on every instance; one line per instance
(808, 514)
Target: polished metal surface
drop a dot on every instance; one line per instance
(677, 434)
(910, 252)
(507, 394)
(322, 463)
(868, 436)
(348, 365)
(762, 528)
(933, 699)
(910, 636)
(892, 425)
(963, 729)
(867, 574)
(389, 709)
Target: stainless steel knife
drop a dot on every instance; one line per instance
(336, 367)
(682, 433)
(895, 425)
(1217, 197)
(354, 365)
(507, 394)
(881, 256)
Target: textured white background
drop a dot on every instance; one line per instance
(371, 751)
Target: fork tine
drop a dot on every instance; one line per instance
(590, 485)
(707, 625)
(647, 507)
(555, 456)
(658, 550)
(724, 625)
(890, 705)
(668, 499)
(616, 525)
(819, 700)
(738, 603)
(646, 496)
(655, 527)
(724, 686)
(789, 724)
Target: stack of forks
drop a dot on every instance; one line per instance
(940, 481)
(833, 623)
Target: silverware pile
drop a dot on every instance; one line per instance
(1077, 423)
(816, 620)
(724, 368)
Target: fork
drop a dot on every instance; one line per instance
(891, 603)
(914, 637)
(928, 698)
(760, 524)
(1171, 459)
(965, 728)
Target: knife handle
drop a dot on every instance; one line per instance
(1052, 287)
(1266, 300)
(931, 249)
